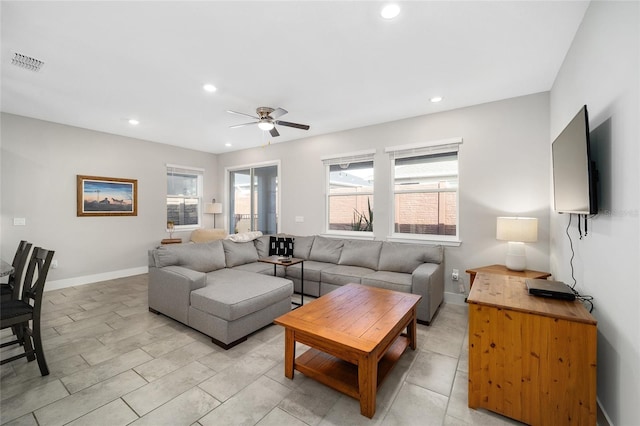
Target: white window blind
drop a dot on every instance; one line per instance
(428, 148)
(346, 159)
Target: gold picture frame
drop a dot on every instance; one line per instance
(106, 196)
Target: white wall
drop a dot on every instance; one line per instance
(601, 70)
(40, 161)
(504, 170)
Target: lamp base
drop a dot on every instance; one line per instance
(516, 258)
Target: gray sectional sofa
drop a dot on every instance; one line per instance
(220, 288)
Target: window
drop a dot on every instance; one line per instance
(425, 190)
(184, 196)
(350, 193)
(253, 192)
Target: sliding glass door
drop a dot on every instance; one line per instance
(253, 196)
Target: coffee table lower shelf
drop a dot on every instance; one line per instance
(342, 375)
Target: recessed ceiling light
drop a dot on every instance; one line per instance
(209, 88)
(227, 144)
(435, 99)
(390, 11)
(134, 122)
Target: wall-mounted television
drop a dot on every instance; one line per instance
(574, 171)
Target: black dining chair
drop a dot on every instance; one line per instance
(11, 289)
(19, 312)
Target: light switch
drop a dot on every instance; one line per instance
(299, 219)
(19, 221)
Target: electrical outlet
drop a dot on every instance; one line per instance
(54, 263)
(461, 288)
(455, 276)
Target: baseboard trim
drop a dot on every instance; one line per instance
(89, 279)
(602, 418)
(455, 298)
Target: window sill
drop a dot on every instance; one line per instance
(351, 235)
(186, 228)
(424, 239)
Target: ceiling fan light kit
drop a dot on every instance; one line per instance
(266, 120)
(266, 125)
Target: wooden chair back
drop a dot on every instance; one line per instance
(19, 313)
(36, 277)
(19, 262)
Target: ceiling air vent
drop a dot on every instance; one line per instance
(26, 62)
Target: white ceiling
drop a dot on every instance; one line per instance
(334, 65)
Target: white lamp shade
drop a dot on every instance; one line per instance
(213, 208)
(517, 229)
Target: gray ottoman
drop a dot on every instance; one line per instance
(234, 304)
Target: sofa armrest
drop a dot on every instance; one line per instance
(427, 280)
(170, 290)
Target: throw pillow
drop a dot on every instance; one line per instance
(280, 246)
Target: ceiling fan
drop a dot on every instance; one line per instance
(267, 120)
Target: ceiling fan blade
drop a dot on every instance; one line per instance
(274, 132)
(242, 125)
(296, 125)
(242, 113)
(278, 112)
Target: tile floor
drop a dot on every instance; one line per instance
(114, 363)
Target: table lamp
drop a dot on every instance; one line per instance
(214, 209)
(517, 231)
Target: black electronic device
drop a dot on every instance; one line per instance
(552, 289)
(574, 171)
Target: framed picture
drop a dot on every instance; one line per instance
(105, 196)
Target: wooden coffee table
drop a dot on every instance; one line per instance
(356, 337)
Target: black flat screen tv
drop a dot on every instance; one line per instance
(574, 172)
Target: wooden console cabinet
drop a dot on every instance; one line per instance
(502, 270)
(530, 358)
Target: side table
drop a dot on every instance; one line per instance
(502, 270)
(171, 241)
(287, 261)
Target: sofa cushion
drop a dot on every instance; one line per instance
(342, 274)
(361, 253)
(261, 268)
(204, 257)
(390, 280)
(302, 247)
(232, 294)
(262, 245)
(239, 253)
(312, 270)
(432, 254)
(326, 250)
(401, 257)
